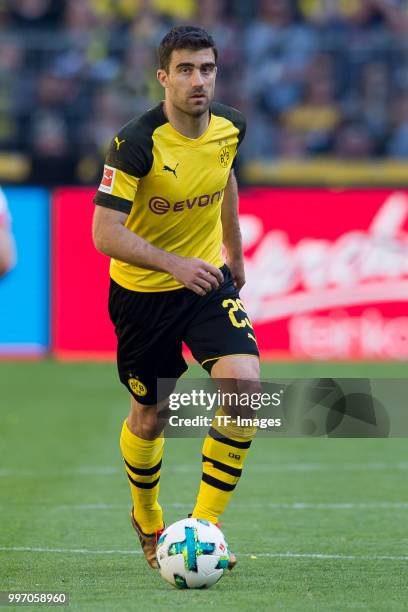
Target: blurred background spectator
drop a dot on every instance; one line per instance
(325, 78)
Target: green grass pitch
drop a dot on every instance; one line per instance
(317, 524)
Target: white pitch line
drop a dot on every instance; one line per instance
(74, 551)
(195, 467)
(282, 555)
(328, 556)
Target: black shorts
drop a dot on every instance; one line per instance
(150, 328)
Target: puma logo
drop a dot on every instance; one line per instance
(118, 142)
(173, 170)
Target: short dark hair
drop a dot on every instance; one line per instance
(184, 37)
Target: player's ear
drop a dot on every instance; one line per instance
(162, 77)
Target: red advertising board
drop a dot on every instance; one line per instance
(80, 280)
(327, 274)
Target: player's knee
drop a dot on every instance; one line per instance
(248, 387)
(146, 422)
(239, 367)
(241, 397)
(248, 391)
(238, 377)
(150, 430)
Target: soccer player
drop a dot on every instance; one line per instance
(167, 202)
(7, 247)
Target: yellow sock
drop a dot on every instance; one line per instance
(142, 463)
(224, 452)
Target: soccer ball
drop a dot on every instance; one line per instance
(192, 554)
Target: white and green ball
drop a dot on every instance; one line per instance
(192, 554)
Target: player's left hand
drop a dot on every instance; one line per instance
(238, 272)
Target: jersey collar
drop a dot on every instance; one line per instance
(193, 142)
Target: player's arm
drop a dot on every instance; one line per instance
(112, 238)
(7, 250)
(231, 231)
(7, 246)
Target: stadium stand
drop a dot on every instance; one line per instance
(317, 79)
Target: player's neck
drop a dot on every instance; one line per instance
(191, 127)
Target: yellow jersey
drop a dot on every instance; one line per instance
(171, 187)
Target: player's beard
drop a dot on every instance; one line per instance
(187, 107)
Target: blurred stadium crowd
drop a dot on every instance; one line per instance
(314, 77)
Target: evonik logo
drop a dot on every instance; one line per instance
(161, 206)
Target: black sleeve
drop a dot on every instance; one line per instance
(130, 152)
(241, 124)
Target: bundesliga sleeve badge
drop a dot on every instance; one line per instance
(108, 179)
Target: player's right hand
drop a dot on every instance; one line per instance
(196, 274)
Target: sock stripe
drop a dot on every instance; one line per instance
(228, 469)
(144, 471)
(218, 484)
(143, 485)
(213, 433)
